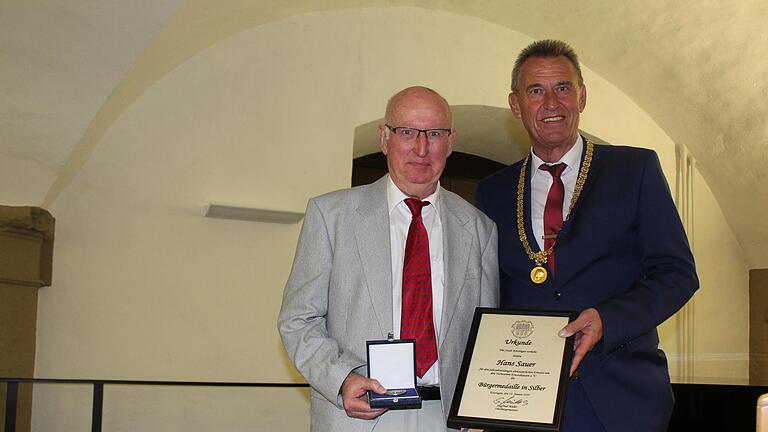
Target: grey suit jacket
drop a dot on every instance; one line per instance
(339, 293)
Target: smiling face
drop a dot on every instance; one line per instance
(415, 165)
(549, 101)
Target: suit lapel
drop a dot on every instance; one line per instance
(595, 167)
(527, 219)
(457, 244)
(568, 254)
(371, 225)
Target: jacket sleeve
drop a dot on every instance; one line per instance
(302, 321)
(489, 295)
(668, 276)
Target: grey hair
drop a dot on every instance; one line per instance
(545, 48)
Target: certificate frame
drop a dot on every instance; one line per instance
(517, 417)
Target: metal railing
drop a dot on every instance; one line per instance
(12, 393)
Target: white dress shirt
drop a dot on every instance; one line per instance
(399, 221)
(541, 181)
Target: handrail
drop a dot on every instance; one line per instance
(12, 392)
(148, 382)
(98, 395)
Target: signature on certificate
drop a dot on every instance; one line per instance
(510, 402)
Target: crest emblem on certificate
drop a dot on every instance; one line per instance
(522, 329)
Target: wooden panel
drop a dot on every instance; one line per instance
(706, 407)
(465, 188)
(758, 327)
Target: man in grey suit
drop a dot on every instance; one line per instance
(351, 266)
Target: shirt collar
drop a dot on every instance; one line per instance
(572, 158)
(395, 196)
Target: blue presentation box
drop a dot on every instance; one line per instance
(393, 363)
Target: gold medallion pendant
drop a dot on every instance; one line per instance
(538, 275)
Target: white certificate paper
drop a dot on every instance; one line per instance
(515, 370)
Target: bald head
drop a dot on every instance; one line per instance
(417, 94)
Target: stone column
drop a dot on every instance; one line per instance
(26, 258)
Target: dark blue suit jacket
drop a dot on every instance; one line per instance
(624, 252)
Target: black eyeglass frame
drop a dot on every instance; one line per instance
(394, 130)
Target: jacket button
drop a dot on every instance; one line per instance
(557, 295)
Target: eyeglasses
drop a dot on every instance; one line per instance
(412, 134)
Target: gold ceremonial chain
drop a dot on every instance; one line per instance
(539, 272)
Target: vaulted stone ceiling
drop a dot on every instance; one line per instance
(68, 69)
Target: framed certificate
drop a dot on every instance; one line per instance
(515, 371)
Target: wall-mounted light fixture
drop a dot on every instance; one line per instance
(251, 214)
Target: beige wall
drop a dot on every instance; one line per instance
(146, 288)
(21, 179)
(721, 319)
(720, 330)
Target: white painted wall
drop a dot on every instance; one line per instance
(721, 353)
(146, 288)
(23, 182)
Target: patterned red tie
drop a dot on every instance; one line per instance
(553, 210)
(416, 321)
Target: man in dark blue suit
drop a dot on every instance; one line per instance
(590, 228)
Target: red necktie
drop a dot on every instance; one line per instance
(416, 321)
(553, 210)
